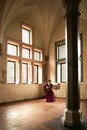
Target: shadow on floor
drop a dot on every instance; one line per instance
(56, 124)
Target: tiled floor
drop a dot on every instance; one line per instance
(32, 114)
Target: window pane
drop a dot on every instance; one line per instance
(25, 36)
(30, 74)
(35, 73)
(37, 55)
(25, 53)
(24, 73)
(58, 73)
(63, 72)
(12, 49)
(61, 53)
(10, 72)
(39, 74)
(79, 60)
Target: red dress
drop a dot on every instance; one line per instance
(49, 93)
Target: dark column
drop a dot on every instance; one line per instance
(72, 116)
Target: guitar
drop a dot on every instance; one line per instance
(47, 88)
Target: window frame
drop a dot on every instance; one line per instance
(29, 29)
(40, 51)
(29, 52)
(64, 59)
(59, 60)
(39, 72)
(37, 67)
(19, 59)
(28, 36)
(26, 73)
(40, 57)
(14, 46)
(13, 42)
(14, 71)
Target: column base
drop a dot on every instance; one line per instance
(72, 119)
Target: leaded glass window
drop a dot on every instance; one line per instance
(12, 49)
(10, 72)
(37, 55)
(60, 62)
(24, 73)
(25, 36)
(26, 53)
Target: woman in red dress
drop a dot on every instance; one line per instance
(49, 92)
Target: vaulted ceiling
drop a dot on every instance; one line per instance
(43, 14)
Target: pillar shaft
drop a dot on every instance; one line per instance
(72, 23)
(72, 116)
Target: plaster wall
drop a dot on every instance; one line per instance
(62, 92)
(9, 93)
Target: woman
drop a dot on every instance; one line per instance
(49, 92)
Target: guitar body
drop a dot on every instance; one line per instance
(48, 88)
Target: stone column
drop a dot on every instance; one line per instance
(72, 116)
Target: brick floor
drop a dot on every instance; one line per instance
(32, 114)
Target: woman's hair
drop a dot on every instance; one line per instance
(49, 80)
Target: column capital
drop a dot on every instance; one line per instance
(66, 2)
(71, 5)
